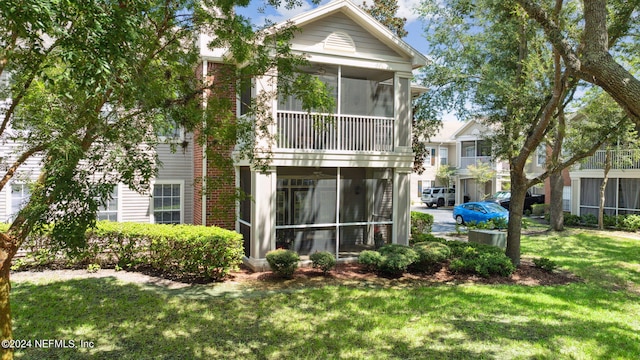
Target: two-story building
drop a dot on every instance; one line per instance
(460, 145)
(344, 186)
(341, 187)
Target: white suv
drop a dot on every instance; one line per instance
(438, 196)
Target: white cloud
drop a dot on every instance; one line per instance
(405, 8)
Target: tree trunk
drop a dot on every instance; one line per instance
(556, 213)
(516, 207)
(7, 250)
(603, 187)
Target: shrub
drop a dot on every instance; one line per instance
(571, 220)
(480, 259)
(93, 268)
(420, 223)
(426, 238)
(631, 222)
(545, 264)
(396, 259)
(183, 250)
(589, 219)
(323, 260)
(610, 220)
(431, 255)
(283, 262)
(539, 209)
(370, 259)
(484, 264)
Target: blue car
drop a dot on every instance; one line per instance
(478, 212)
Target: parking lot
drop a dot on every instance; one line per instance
(442, 218)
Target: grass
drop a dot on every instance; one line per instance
(595, 319)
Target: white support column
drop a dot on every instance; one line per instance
(401, 206)
(263, 233)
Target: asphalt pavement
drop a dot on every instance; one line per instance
(443, 221)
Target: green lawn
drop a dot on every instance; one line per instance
(596, 319)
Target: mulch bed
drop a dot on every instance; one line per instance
(526, 274)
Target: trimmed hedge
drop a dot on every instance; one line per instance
(431, 253)
(391, 259)
(431, 256)
(184, 250)
(420, 223)
(283, 262)
(323, 260)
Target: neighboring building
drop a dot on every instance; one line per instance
(473, 149)
(622, 194)
(441, 150)
(461, 144)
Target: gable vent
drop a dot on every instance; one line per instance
(339, 41)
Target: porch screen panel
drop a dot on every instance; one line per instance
(353, 195)
(306, 241)
(629, 194)
(245, 186)
(245, 209)
(368, 97)
(404, 113)
(590, 196)
(366, 208)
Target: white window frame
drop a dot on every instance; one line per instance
(182, 199)
(446, 150)
(118, 198)
(429, 158)
(541, 151)
(180, 137)
(9, 199)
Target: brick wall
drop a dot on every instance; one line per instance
(220, 182)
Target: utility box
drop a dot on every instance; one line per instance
(489, 237)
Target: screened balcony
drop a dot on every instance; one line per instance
(364, 117)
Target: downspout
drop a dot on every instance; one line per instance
(205, 65)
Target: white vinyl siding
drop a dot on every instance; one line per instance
(314, 35)
(179, 166)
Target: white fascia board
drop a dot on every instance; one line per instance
(359, 62)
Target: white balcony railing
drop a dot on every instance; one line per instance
(620, 159)
(500, 166)
(299, 130)
(474, 160)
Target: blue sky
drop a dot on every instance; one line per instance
(413, 26)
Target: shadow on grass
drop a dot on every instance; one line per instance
(126, 321)
(609, 262)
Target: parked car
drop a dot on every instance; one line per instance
(503, 198)
(438, 196)
(479, 212)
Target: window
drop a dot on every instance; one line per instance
(444, 156)
(246, 88)
(484, 148)
(468, 148)
(167, 203)
(541, 155)
(566, 198)
(109, 211)
(430, 157)
(20, 194)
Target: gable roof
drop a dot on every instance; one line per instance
(366, 21)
